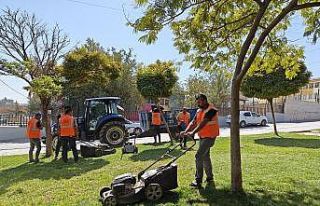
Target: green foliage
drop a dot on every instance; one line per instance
(215, 84)
(125, 86)
(177, 98)
(157, 80)
(264, 85)
(46, 87)
(92, 71)
(83, 67)
(211, 34)
(34, 104)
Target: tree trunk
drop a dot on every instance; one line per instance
(273, 118)
(47, 125)
(236, 173)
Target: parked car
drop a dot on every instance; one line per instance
(249, 118)
(133, 127)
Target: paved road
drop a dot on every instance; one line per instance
(20, 145)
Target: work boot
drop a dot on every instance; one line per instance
(196, 184)
(36, 161)
(210, 182)
(32, 160)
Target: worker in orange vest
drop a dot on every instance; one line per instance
(68, 133)
(206, 124)
(34, 134)
(156, 122)
(183, 119)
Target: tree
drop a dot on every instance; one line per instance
(87, 71)
(178, 96)
(125, 86)
(34, 104)
(216, 85)
(225, 34)
(120, 81)
(196, 84)
(264, 85)
(157, 80)
(32, 52)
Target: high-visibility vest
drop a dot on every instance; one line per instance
(67, 127)
(183, 118)
(156, 118)
(33, 132)
(211, 129)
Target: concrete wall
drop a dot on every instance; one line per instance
(298, 111)
(13, 133)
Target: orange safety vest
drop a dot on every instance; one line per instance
(33, 132)
(211, 129)
(67, 127)
(183, 118)
(156, 118)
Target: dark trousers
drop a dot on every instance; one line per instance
(69, 142)
(203, 160)
(156, 130)
(34, 143)
(58, 147)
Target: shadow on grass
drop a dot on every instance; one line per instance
(152, 154)
(224, 197)
(47, 170)
(289, 142)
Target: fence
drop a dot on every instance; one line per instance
(132, 115)
(20, 120)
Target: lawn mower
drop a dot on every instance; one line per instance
(130, 147)
(150, 184)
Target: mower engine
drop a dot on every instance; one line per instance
(123, 185)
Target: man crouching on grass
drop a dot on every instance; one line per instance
(206, 124)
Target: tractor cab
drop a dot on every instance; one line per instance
(102, 120)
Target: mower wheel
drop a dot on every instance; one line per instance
(103, 190)
(109, 200)
(153, 192)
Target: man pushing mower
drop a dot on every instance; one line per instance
(206, 124)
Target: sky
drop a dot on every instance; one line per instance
(104, 21)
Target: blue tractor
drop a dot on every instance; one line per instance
(102, 121)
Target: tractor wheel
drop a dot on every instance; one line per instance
(112, 133)
(153, 192)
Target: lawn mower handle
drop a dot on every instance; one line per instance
(167, 153)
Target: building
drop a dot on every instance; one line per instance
(299, 107)
(163, 102)
(309, 93)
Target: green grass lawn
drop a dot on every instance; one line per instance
(276, 171)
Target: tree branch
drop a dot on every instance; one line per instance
(262, 37)
(249, 39)
(307, 5)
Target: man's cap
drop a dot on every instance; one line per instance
(201, 96)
